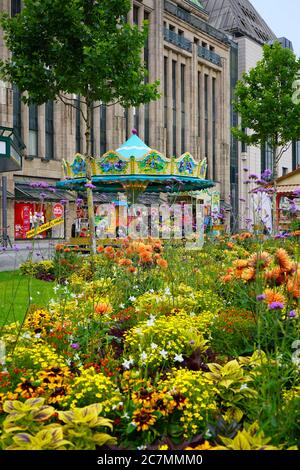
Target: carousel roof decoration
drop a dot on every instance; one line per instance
(135, 167)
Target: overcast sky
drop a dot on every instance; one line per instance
(283, 17)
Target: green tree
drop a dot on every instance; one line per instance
(82, 47)
(264, 101)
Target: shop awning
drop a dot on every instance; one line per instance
(27, 192)
(287, 188)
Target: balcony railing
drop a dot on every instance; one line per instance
(177, 40)
(209, 55)
(196, 22)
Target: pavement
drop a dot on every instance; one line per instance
(12, 258)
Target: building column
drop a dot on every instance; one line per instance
(178, 107)
(141, 15)
(202, 114)
(170, 106)
(209, 150)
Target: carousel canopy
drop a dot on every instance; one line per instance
(136, 167)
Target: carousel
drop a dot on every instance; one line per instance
(137, 172)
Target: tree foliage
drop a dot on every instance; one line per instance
(82, 47)
(264, 100)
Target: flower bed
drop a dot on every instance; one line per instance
(148, 346)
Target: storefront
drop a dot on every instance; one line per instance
(37, 204)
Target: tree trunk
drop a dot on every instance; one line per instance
(275, 176)
(89, 191)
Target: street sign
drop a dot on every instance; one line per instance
(42, 228)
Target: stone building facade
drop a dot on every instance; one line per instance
(191, 59)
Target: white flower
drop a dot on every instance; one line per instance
(144, 356)
(296, 361)
(151, 320)
(126, 415)
(55, 288)
(135, 287)
(127, 363)
(140, 447)
(139, 331)
(192, 314)
(208, 434)
(151, 291)
(168, 291)
(122, 306)
(68, 362)
(178, 358)
(26, 335)
(243, 386)
(164, 353)
(38, 335)
(132, 298)
(76, 357)
(154, 346)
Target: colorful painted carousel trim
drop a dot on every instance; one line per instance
(153, 163)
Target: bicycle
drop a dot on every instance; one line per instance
(5, 238)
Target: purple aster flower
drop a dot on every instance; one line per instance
(75, 345)
(261, 181)
(63, 201)
(276, 306)
(261, 297)
(267, 173)
(52, 190)
(79, 201)
(292, 314)
(253, 176)
(297, 192)
(43, 195)
(90, 185)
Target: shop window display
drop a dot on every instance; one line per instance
(29, 215)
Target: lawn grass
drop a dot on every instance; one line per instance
(18, 291)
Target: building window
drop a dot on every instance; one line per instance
(182, 69)
(49, 137)
(33, 130)
(199, 104)
(126, 118)
(146, 107)
(103, 142)
(296, 154)
(78, 125)
(214, 135)
(136, 119)
(135, 15)
(206, 115)
(92, 136)
(15, 7)
(266, 157)
(174, 64)
(165, 92)
(17, 116)
(244, 145)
